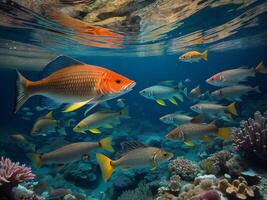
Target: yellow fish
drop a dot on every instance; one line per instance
(194, 56)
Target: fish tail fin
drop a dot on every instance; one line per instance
(232, 109)
(105, 166)
(22, 93)
(224, 133)
(125, 112)
(257, 89)
(37, 160)
(205, 55)
(261, 68)
(106, 144)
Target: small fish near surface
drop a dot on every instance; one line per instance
(179, 119)
(234, 76)
(47, 125)
(67, 80)
(188, 132)
(234, 92)
(99, 119)
(214, 109)
(133, 155)
(70, 153)
(194, 56)
(165, 91)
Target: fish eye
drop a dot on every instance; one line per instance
(165, 154)
(118, 81)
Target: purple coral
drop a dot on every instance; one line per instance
(209, 195)
(251, 137)
(11, 174)
(184, 168)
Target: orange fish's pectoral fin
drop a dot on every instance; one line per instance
(125, 167)
(161, 102)
(91, 107)
(75, 106)
(189, 143)
(205, 138)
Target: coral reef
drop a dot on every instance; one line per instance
(216, 163)
(22, 193)
(238, 189)
(209, 195)
(142, 192)
(235, 165)
(184, 168)
(251, 138)
(11, 174)
(174, 183)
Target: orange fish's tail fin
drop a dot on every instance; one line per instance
(261, 68)
(22, 93)
(224, 133)
(106, 144)
(36, 160)
(205, 55)
(232, 109)
(105, 166)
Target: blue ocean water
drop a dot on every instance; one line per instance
(155, 34)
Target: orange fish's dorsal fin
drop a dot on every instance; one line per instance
(59, 63)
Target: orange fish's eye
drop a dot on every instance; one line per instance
(118, 81)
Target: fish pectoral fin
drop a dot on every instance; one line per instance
(108, 126)
(189, 143)
(75, 106)
(153, 166)
(161, 102)
(125, 167)
(95, 130)
(173, 101)
(205, 138)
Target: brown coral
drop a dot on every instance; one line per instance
(239, 189)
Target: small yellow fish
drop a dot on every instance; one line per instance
(194, 56)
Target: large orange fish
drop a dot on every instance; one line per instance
(74, 82)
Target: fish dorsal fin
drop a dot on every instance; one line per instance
(49, 115)
(130, 146)
(169, 83)
(59, 63)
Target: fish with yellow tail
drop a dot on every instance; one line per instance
(47, 125)
(165, 90)
(234, 76)
(104, 119)
(67, 80)
(194, 56)
(214, 109)
(188, 132)
(133, 155)
(71, 152)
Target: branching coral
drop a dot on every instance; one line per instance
(11, 174)
(251, 138)
(184, 168)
